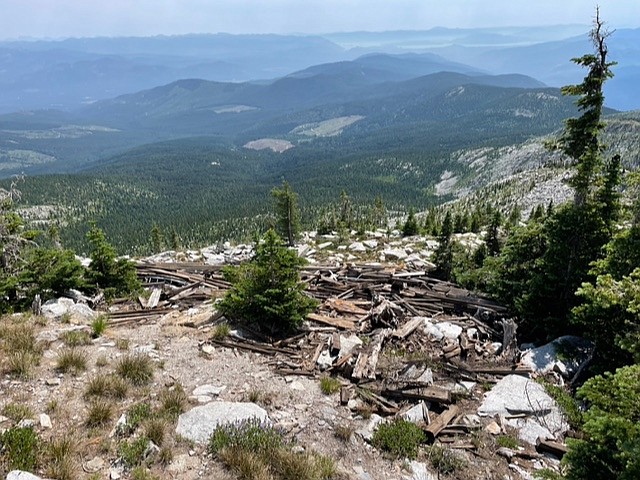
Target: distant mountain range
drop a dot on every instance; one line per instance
(397, 100)
(74, 72)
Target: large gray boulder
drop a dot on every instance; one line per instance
(525, 405)
(199, 423)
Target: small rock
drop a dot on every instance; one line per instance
(94, 465)
(366, 432)
(493, 428)
(208, 349)
(297, 385)
(297, 449)
(3, 419)
(45, 421)
(114, 474)
(26, 423)
(52, 382)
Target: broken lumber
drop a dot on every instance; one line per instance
(554, 448)
(437, 425)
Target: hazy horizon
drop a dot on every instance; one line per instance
(44, 19)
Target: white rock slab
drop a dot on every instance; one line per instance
(199, 423)
(20, 475)
(514, 395)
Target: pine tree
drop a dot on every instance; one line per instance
(267, 290)
(410, 227)
(287, 212)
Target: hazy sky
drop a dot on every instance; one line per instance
(65, 18)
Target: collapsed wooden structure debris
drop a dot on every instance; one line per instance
(398, 339)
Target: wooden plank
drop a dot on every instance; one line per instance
(334, 322)
(437, 425)
(430, 394)
(344, 306)
(154, 298)
(554, 448)
(367, 363)
(409, 327)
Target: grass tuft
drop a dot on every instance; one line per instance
(258, 452)
(330, 385)
(136, 368)
(221, 331)
(173, 401)
(100, 413)
(98, 326)
(17, 412)
(71, 360)
(60, 454)
(76, 338)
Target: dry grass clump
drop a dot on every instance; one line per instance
(22, 351)
(61, 458)
(106, 386)
(17, 412)
(100, 413)
(135, 368)
(173, 401)
(76, 338)
(72, 360)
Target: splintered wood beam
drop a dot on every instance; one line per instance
(438, 424)
(408, 328)
(368, 360)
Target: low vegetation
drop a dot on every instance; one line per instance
(254, 452)
(400, 438)
(135, 368)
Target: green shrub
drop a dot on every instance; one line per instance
(115, 276)
(137, 414)
(136, 368)
(133, 453)
(507, 441)
(612, 427)
(400, 438)
(18, 449)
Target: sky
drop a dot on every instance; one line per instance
(87, 18)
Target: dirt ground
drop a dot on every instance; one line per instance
(295, 404)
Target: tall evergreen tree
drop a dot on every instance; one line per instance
(287, 212)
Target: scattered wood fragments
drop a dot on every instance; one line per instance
(399, 339)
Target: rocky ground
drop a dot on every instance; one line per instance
(506, 418)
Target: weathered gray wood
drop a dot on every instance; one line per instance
(437, 425)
